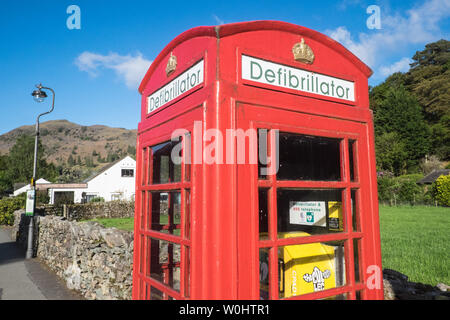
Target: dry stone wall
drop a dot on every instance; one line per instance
(93, 260)
(85, 211)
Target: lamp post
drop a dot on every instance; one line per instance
(39, 95)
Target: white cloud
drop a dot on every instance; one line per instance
(343, 4)
(418, 25)
(399, 66)
(129, 68)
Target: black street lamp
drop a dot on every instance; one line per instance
(39, 96)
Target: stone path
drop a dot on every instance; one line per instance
(22, 279)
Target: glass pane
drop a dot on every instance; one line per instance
(351, 158)
(148, 250)
(307, 212)
(187, 273)
(356, 255)
(187, 157)
(312, 267)
(144, 211)
(262, 152)
(155, 294)
(355, 210)
(142, 252)
(164, 169)
(187, 215)
(166, 212)
(145, 166)
(263, 215)
(165, 263)
(264, 266)
(303, 157)
(147, 291)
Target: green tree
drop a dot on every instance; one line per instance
(131, 150)
(70, 160)
(21, 159)
(390, 153)
(5, 184)
(89, 162)
(378, 93)
(440, 142)
(428, 80)
(400, 112)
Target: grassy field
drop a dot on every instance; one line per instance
(119, 223)
(125, 223)
(416, 242)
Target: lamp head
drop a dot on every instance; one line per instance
(39, 95)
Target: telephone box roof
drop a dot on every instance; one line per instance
(226, 30)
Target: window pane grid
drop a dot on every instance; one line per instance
(347, 181)
(162, 290)
(173, 182)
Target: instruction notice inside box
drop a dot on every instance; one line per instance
(310, 213)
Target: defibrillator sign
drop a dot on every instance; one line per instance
(281, 76)
(310, 213)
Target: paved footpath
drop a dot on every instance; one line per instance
(22, 279)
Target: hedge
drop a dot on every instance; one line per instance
(7, 208)
(403, 190)
(441, 190)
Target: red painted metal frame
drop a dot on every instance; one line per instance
(224, 240)
(253, 118)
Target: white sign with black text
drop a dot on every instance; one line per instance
(186, 81)
(279, 75)
(309, 213)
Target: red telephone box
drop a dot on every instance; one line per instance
(256, 169)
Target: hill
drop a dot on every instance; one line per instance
(70, 143)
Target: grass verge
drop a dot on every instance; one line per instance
(119, 223)
(416, 242)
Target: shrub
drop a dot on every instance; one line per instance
(441, 190)
(402, 189)
(7, 208)
(97, 199)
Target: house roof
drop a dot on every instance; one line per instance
(18, 185)
(112, 164)
(432, 177)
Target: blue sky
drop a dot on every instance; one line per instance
(96, 70)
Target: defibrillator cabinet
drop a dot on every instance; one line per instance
(256, 169)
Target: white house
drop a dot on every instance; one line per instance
(40, 183)
(116, 181)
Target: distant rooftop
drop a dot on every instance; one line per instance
(432, 177)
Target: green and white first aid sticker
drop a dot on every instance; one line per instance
(309, 213)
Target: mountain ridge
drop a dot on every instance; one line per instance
(63, 139)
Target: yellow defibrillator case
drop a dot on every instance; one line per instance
(303, 268)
